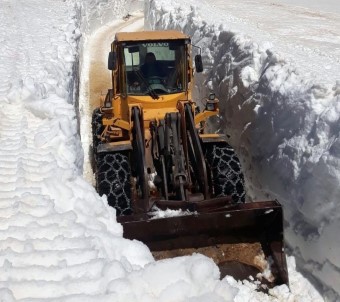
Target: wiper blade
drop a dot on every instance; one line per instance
(149, 89)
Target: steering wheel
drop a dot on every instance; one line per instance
(156, 80)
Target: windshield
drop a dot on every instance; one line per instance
(155, 68)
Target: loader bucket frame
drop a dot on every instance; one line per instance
(260, 222)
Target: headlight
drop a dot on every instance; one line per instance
(210, 106)
(212, 103)
(108, 104)
(211, 96)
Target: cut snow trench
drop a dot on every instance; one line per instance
(59, 240)
(277, 293)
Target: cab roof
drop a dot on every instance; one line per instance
(150, 35)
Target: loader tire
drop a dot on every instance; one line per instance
(113, 179)
(226, 175)
(97, 129)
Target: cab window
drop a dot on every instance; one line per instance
(158, 66)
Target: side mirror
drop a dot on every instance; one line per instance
(198, 63)
(112, 61)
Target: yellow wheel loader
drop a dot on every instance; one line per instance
(152, 151)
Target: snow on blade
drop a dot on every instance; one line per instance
(158, 213)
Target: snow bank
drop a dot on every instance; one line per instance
(58, 238)
(283, 124)
(96, 13)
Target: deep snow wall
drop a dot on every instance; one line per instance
(95, 13)
(58, 238)
(284, 127)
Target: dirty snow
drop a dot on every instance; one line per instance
(59, 241)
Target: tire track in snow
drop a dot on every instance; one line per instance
(15, 141)
(36, 242)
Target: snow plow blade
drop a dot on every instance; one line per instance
(243, 239)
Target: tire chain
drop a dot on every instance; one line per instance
(227, 177)
(113, 179)
(97, 129)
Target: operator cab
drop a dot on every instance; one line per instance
(157, 65)
(151, 63)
